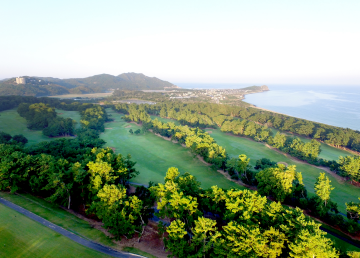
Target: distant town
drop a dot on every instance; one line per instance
(218, 95)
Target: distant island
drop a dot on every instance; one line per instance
(47, 86)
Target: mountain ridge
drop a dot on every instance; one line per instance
(46, 86)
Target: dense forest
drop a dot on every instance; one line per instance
(9, 102)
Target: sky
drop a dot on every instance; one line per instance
(255, 42)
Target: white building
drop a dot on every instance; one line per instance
(20, 80)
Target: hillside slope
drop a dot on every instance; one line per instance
(45, 86)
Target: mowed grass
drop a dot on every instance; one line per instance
(64, 219)
(155, 155)
(23, 237)
(234, 145)
(12, 123)
(58, 216)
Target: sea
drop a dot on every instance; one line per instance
(332, 105)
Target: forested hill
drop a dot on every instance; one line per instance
(46, 86)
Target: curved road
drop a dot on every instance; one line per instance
(68, 234)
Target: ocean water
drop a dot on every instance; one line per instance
(332, 105)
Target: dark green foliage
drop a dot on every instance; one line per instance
(264, 163)
(351, 226)
(5, 137)
(60, 127)
(20, 139)
(9, 102)
(144, 194)
(319, 209)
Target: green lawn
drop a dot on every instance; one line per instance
(155, 155)
(12, 123)
(23, 237)
(63, 219)
(58, 216)
(235, 146)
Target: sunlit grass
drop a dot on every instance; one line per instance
(23, 237)
(155, 155)
(12, 123)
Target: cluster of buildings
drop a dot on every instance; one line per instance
(183, 95)
(214, 94)
(30, 80)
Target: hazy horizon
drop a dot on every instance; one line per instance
(279, 42)
(239, 84)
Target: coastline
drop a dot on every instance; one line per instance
(333, 106)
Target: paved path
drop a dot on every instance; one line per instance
(68, 234)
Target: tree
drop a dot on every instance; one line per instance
(323, 188)
(263, 163)
(172, 202)
(131, 131)
(120, 213)
(175, 242)
(312, 244)
(353, 210)
(238, 166)
(350, 166)
(12, 168)
(20, 139)
(60, 182)
(137, 132)
(243, 164)
(250, 241)
(205, 236)
(353, 254)
(4, 137)
(278, 141)
(279, 181)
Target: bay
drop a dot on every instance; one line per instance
(332, 105)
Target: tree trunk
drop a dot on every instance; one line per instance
(69, 200)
